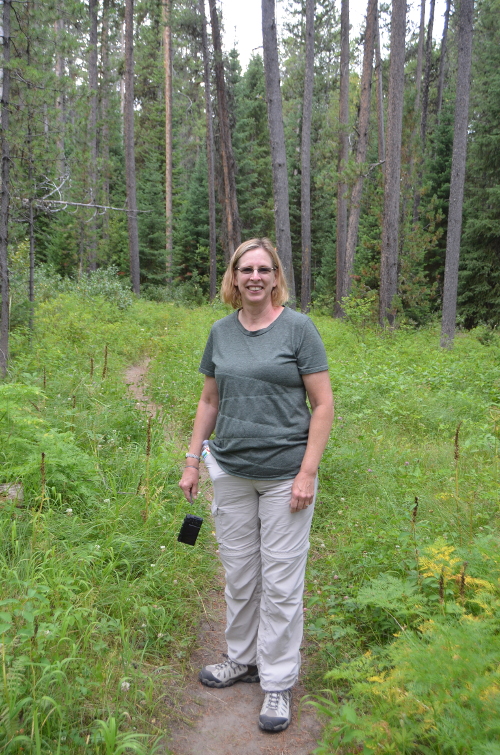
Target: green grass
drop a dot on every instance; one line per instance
(399, 401)
(98, 619)
(99, 601)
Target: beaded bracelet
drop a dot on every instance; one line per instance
(193, 456)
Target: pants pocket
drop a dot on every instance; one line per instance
(213, 468)
(218, 522)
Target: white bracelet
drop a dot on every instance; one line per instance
(193, 456)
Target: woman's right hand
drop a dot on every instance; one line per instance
(189, 482)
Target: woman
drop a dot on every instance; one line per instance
(260, 363)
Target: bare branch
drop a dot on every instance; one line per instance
(56, 188)
(89, 205)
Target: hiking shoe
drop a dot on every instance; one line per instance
(276, 712)
(227, 673)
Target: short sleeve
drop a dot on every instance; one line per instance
(207, 366)
(311, 354)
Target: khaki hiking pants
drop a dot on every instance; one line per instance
(263, 548)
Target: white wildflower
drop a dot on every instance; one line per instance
(125, 686)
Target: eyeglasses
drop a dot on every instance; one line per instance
(260, 270)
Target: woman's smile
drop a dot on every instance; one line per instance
(257, 285)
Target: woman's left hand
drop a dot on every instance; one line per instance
(302, 491)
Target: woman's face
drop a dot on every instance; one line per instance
(255, 287)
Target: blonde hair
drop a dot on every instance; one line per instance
(230, 294)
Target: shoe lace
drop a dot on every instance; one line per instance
(273, 700)
(235, 666)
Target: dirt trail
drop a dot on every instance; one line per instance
(206, 721)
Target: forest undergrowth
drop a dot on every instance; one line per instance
(99, 603)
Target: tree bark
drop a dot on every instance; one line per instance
(31, 283)
(427, 75)
(122, 77)
(133, 234)
(380, 99)
(210, 154)
(416, 176)
(92, 256)
(305, 184)
(390, 227)
(442, 59)
(59, 28)
(457, 181)
(31, 214)
(104, 111)
(277, 138)
(425, 108)
(362, 146)
(167, 57)
(5, 190)
(228, 165)
(420, 58)
(343, 157)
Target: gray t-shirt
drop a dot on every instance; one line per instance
(263, 419)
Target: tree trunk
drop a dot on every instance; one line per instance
(5, 191)
(390, 227)
(343, 157)
(380, 99)
(420, 58)
(228, 165)
(104, 112)
(31, 213)
(133, 235)
(363, 126)
(167, 56)
(277, 138)
(59, 28)
(416, 176)
(122, 77)
(92, 258)
(442, 59)
(457, 181)
(210, 154)
(425, 107)
(427, 75)
(31, 284)
(305, 185)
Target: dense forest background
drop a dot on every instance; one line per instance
(135, 153)
(65, 143)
